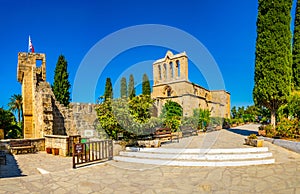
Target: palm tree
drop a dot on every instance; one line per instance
(16, 104)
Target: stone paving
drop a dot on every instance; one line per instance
(121, 177)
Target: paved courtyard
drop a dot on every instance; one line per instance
(122, 177)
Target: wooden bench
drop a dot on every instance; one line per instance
(20, 146)
(164, 135)
(3, 156)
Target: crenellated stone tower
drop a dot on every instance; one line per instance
(43, 115)
(30, 76)
(170, 76)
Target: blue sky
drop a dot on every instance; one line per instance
(227, 28)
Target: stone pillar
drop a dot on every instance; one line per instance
(1, 133)
(184, 68)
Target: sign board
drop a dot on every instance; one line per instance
(78, 148)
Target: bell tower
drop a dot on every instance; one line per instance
(170, 68)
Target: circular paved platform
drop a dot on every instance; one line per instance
(123, 177)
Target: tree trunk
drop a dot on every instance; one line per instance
(273, 118)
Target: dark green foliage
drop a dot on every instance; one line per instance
(108, 93)
(131, 88)
(296, 48)
(292, 108)
(129, 117)
(172, 115)
(273, 57)
(9, 124)
(171, 109)
(140, 107)
(233, 112)
(123, 90)
(146, 90)
(61, 83)
(203, 116)
(16, 104)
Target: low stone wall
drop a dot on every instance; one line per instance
(291, 145)
(38, 142)
(58, 141)
(118, 147)
(4, 145)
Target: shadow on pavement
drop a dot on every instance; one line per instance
(11, 169)
(243, 132)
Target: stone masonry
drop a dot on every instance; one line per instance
(43, 115)
(170, 75)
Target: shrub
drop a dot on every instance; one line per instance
(287, 128)
(270, 131)
(252, 136)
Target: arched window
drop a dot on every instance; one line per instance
(169, 92)
(159, 72)
(178, 68)
(171, 69)
(165, 71)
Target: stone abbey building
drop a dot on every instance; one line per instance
(170, 77)
(43, 115)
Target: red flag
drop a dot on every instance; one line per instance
(30, 46)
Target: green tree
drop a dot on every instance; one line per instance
(233, 112)
(108, 93)
(123, 91)
(61, 85)
(146, 90)
(171, 109)
(172, 115)
(296, 48)
(273, 57)
(203, 116)
(131, 88)
(140, 107)
(9, 124)
(107, 119)
(16, 105)
(240, 112)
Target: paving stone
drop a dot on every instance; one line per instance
(122, 177)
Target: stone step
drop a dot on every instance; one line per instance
(198, 156)
(193, 163)
(198, 151)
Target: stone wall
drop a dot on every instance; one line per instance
(171, 82)
(43, 115)
(39, 144)
(58, 141)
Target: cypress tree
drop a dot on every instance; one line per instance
(296, 48)
(123, 88)
(61, 83)
(108, 93)
(273, 57)
(146, 90)
(131, 88)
